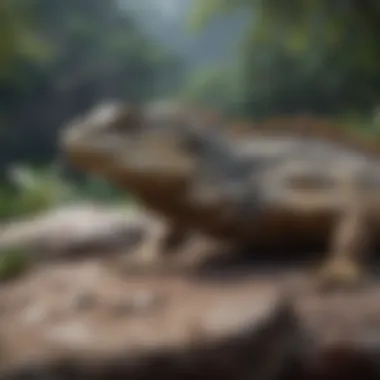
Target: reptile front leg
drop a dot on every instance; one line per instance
(158, 250)
(350, 242)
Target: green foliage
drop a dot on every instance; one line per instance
(18, 37)
(31, 191)
(204, 11)
(13, 263)
(215, 87)
(320, 56)
(58, 58)
(35, 190)
(42, 187)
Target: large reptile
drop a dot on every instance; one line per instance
(271, 189)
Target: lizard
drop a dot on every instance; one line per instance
(127, 133)
(270, 188)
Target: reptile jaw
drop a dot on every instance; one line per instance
(92, 140)
(86, 153)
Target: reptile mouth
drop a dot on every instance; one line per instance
(91, 156)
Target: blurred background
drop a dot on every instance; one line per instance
(252, 59)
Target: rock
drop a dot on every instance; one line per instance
(34, 314)
(234, 330)
(142, 302)
(76, 230)
(122, 308)
(175, 326)
(82, 301)
(344, 328)
(71, 333)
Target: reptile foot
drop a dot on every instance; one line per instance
(340, 275)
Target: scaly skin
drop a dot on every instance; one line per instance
(276, 190)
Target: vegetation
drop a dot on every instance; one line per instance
(57, 58)
(13, 263)
(303, 56)
(32, 190)
(60, 57)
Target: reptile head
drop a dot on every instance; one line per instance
(91, 140)
(156, 143)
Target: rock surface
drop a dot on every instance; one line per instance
(137, 326)
(88, 319)
(76, 229)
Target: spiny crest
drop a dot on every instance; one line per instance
(310, 127)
